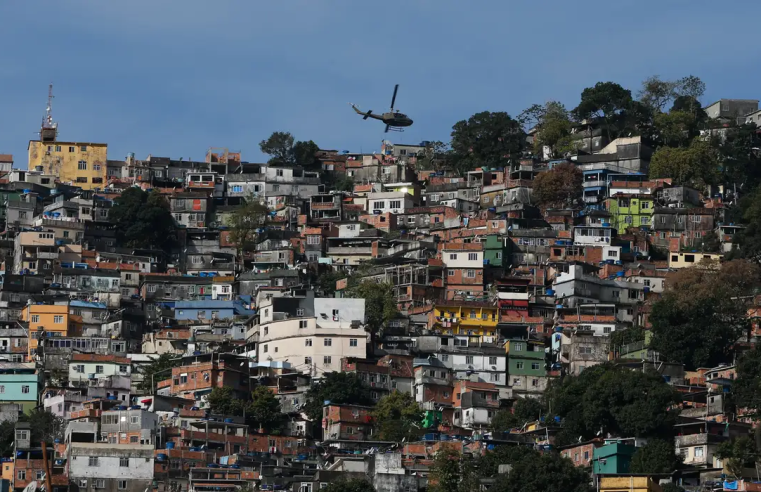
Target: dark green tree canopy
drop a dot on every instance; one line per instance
(262, 409)
(398, 416)
(486, 139)
(542, 472)
(350, 485)
(746, 390)
(523, 410)
(143, 219)
(157, 371)
(657, 456)
(336, 387)
(560, 187)
(284, 150)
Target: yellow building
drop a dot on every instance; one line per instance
(685, 260)
(52, 319)
(628, 484)
(475, 319)
(82, 164)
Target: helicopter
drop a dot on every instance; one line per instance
(394, 120)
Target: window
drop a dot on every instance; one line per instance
(699, 452)
(519, 365)
(534, 383)
(22, 215)
(535, 366)
(468, 359)
(122, 485)
(83, 148)
(308, 342)
(585, 350)
(21, 475)
(308, 361)
(395, 204)
(299, 312)
(327, 360)
(327, 342)
(133, 439)
(275, 187)
(470, 273)
(613, 253)
(22, 435)
(696, 219)
(134, 419)
(644, 220)
(689, 258)
(303, 323)
(264, 348)
(35, 318)
(39, 475)
(452, 256)
(80, 368)
(96, 167)
(352, 342)
(123, 462)
(616, 294)
(81, 179)
(493, 377)
(499, 255)
(644, 205)
(98, 369)
(58, 319)
(450, 273)
(92, 461)
(313, 239)
(2, 389)
(25, 389)
(237, 189)
(472, 256)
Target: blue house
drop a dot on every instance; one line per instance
(19, 383)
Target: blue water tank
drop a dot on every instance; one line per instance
(550, 292)
(170, 445)
(161, 457)
(620, 274)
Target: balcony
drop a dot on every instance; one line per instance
(347, 250)
(591, 199)
(188, 435)
(698, 439)
(324, 205)
(594, 183)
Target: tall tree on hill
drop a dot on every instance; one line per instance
(607, 101)
(486, 139)
(336, 387)
(244, 223)
(143, 220)
(703, 312)
(696, 165)
(559, 187)
(284, 150)
(398, 416)
(552, 123)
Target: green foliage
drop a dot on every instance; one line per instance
(657, 93)
(434, 157)
(486, 139)
(326, 282)
(337, 387)
(607, 101)
(244, 222)
(615, 400)
(380, 303)
(553, 127)
(542, 472)
(677, 128)
(749, 240)
(737, 454)
(398, 416)
(626, 336)
(285, 151)
(740, 157)
(343, 183)
(702, 313)
(696, 165)
(657, 456)
(157, 370)
(711, 242)
(143, 220)
(488, 464)
(223, 401)
(7, 438)
(524, 410)
(450, 472)
(264, 410)
(746, 390)
(560, 187)
(350, 485)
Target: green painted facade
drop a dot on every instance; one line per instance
(494, 250)
(613, 458)
(634, 211)
(522, 361)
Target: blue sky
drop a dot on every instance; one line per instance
(172, 78)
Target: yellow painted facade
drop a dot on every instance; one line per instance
(82, 164)
(52, 319)
(686, 260)
(628, 484)
(8, 471)
(470, 319)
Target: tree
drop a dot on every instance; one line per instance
(245, 222)
(657, 93)
(157, 370)
(559, 187)
(398, 416)
(433, 157)
(626, 336)
(749, 240)
(143, 220)
(607, 101)
(343, 183)
(7, 438)
(746, 389)
(613, 400)
(543, 472)
(739, 453)
(677, 128)
(523, 410)
(486, 139)
(336, 387)
(350, 485)
(739, 154)
(264, 410)
(553, 125)
(450, 472)
(380, 303)
(696, 165)
(285, 151)
(46, 426)
(711, 242)
(657, 456)
(223, 401)
(690, 86)
(703, 312)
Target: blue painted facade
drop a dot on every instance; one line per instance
(207, 309)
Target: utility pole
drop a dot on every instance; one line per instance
(48, 487)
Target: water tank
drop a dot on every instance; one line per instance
(228, 421)
(161, 457)
(550, 292)
(170, 445)
(620, 274)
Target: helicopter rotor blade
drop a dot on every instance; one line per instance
(393, 99)
(386, 129)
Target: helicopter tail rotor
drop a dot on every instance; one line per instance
(367, 115)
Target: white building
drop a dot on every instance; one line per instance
(592, 234)
(395, 202)
(111, 467)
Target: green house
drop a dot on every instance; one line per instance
(494, 251)
(613, 458)
(630, 211)
(525, 358)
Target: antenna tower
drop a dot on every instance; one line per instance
(47, 122)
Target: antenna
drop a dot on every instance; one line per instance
(47, 121)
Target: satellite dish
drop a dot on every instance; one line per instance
(32, 487)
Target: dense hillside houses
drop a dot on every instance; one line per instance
(563, 297)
